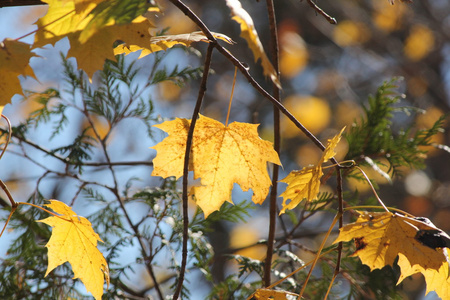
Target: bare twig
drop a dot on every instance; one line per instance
(201, 94)
(320, 11)
(277, 139)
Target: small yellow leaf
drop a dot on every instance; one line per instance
(73, 240)
(249, 33)
(305, 184)
(164, 42)
(220, 156)
(266, 294)
(381, 236)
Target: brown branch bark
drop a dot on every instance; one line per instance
(201, 94)
(9, 3)
(277, 141)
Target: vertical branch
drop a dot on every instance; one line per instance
(341, 220)
(201, 94)
(276, 130)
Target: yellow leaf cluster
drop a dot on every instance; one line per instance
(70, 19)
(249, 33)
(73, 240)
(220, 156)
(381, 237)
(305, 184)
(14, 59)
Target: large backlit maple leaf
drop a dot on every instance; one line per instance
(249, 33)
(305, 184)
(73, 240)
(220, 156)
(381, 237)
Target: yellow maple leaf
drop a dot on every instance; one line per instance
(164, 42)
(381, 236)
(249, 33)
(305, 184)
(436, 280)
(66, 20)
(220, 156)
(73, 240)
(14, 61)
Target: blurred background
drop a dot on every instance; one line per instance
(327, 73)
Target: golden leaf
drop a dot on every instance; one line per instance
(436, 280)
(14, 61)
(249, 33)
(164, 42)
(305, 184)
(70, 20)
(266, 294)
(381, 236)
(73, 240)
(220, 156)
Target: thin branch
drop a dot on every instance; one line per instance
(320, 11)
(340, 195)
(9, 135)
(8, 193)
(201, 94)
(277, 140)
(6, 3)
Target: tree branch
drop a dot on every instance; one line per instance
(201, 94)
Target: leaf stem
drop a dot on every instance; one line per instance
(41, 208)
(13, 209)
(198, 104)
(299, 269)
(336, 218)
(231, 97)
(378, 207)
(373, 189)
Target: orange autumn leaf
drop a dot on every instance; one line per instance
(220, 155)
(249, 33)
(305, 184)
(73, 240)
(382, 236)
